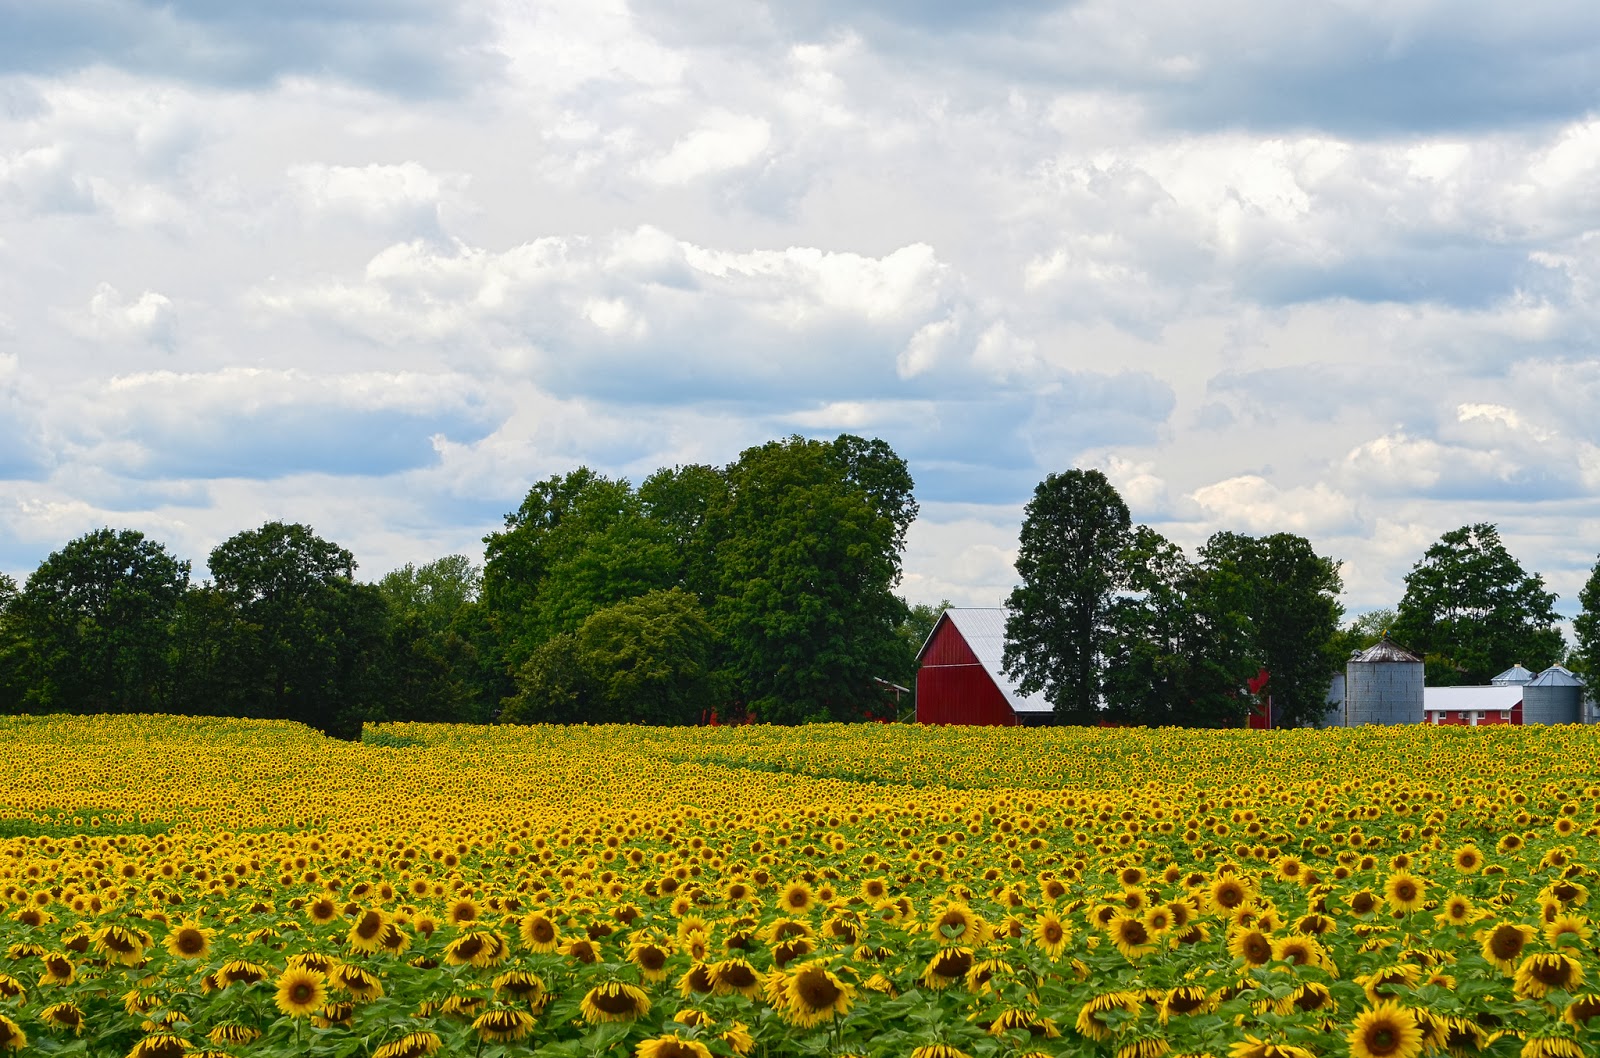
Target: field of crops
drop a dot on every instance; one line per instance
(194, 887)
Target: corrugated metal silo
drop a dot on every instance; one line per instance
(1555, 696)
(1383, 685)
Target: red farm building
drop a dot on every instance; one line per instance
(959, 676)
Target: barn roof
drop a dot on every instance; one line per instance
(984, 630)
(1515, 674)
(1555, 676)
(1452, 698)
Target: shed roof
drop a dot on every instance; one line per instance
(1555, 676)
(1485, 698)
(984, 630)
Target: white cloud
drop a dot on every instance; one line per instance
(723, 142)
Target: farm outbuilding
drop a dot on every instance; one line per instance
(960, 677)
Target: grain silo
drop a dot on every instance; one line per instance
(1555, 696)
(1383, 685)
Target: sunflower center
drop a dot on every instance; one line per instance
(737, 975)
(542, 930)
(1552, 971)
(652, 958)
(369, 926)
(618, 1002)
(1506, 942)
(816, 989)
(1052, 932)
(952, 964)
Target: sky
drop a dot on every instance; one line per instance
(1328, 268)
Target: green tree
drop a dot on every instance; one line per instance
(1290, 595)
(1472, 612)
(1585, 658)
(682, 501)
(1361, 632)
(14, 649)
(578, 543)
(807, 557)
(209, 638)
(1074, 531)
(98, 615)
(432, 670)
(312, 636)
(1147, 678)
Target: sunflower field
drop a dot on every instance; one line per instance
(179, 886)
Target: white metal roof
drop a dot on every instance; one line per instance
(1555, 676)
(1435, 699)
(984, 629)
(1515, 674)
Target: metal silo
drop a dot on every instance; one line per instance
(1383, 685)
(1555, 696)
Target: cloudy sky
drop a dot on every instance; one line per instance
(1330, 267)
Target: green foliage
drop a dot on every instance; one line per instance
(1289, 595)
(1585, 659)
(1074, 531)
(807, 560)
(388, 739)
(646, 660)
(309, 636)
(1469, 604)
(97, 616)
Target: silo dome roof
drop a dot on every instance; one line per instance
(1515, 674)
(1387, 649)
(1555, 676)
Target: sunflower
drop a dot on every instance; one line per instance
(1251, 1047)
(366, 934)
(1387, 1030)
(796, 898)
(480, 948)
(1582, 1010)
(1404, 891)
(322, 910)
(735, 975)
(1467, 859)
(233, 1032)
(241, 972)
(361, 984)
(738, 1038)
(671, 1045)
(58, 969)
(1090, 1025)
(411, 1045)
(522, 986)
(579, 949)
(313, 960)
(1050, 935)
(650, 955)
(301, 992)
(341, 1014)
(1029, 1021)
(12, 1038)
(696, 981)
(160, 1045)
(462, 911)
(1402, 975)
(1551, 1047)
(957, 924)
(613, 1001)
(1574, 926)
(947, 967)
(1456, 910)
(1251, 945)
(1131, 936)
(1362, 901)
(938, 1050)
(1300, 951)
(1183, 1000)
(503, 1025)
(1464, 1037)
(63, 1016)
(1226, 892)
(814, 994)
(189, 941)
(120, 945)
(1503, 944)
(539, 932)
(1544, 973)
(1311, 997)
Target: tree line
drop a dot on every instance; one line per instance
(763, 589)
(1115, 623)
(760, 590)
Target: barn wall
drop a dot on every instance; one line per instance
(954, 688)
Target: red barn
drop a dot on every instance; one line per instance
(959, 676)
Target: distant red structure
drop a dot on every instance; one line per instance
(960, 679)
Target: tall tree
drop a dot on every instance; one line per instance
(1472, 612)
(431, 669)
(313, 636)
(1290, 595)
(1074, 531)
(14, 649)
(682, 502)
(1586, 632)
(1147, 679)
(98, 615)
(807, 561)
